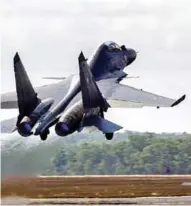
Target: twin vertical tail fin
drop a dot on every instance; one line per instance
(92, 98)
(26, 96)
(91, 95)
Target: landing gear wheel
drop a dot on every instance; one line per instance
(44, 135)
(101, 113)
(109, 136)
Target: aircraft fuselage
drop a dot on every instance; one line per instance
(108, 61)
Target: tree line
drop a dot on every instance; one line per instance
(139, 154)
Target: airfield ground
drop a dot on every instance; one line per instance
(129, 186)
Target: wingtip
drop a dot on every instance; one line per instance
(179, 100)
(81, 57)
(16, 58)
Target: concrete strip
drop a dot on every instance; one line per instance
(183, 200)
(186, 183)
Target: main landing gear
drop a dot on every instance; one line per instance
(44, 135)
(109, 136)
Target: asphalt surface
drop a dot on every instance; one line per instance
(184, 200)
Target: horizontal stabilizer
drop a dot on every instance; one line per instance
(102, 124)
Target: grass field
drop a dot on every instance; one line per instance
(96, 186)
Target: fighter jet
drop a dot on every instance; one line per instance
(107, 62)
(106, 65)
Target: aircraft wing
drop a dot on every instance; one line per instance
(117, 95)
(124, 96)
(57, 91)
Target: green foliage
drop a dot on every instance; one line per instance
(89, 154)
(138, 155)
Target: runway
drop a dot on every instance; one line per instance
(124, 189)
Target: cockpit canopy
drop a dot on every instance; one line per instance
(112, 46)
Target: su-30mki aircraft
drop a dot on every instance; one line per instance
(104, 67)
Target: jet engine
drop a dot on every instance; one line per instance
(63, 129)
(25, 126)
(70, 120)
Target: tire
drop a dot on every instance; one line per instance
(101, 113)
(109, 136)
(44, 135)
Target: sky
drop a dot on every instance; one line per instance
(50, 34)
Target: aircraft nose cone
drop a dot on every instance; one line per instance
(131, 55)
